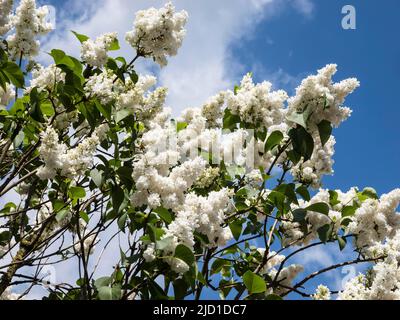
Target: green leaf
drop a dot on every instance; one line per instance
(114, 45)
(348, 211)
(113, 293)
(273, 140)
(84, 216)
(180, 289)
(303, 192)
(185, 254)
(180, 126)
(299, 215)
(81, 37)
(164, 214)
(325, 131)
(333, 198)
(236, 228)
(121, 115)
(368, 193)
(14, 74)
(117, 197)
(97, 177)
(105, 110)
(76, 193)
(102, 282)
(298, 118)
(254, 283)
(302, 142)
(218, 264)
(121, 221)
(325, 232)
(164, 243)
(342, 243)
(320, 207)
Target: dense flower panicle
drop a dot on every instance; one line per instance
(212, 110)
(286, 277)
(139, 100)
(158, 33)
(71, 163)
(320, 164)
(101, 86)
(383, 280)
(6, 96)
(292, 230)
(376, 220)
(5, 11)
(94, 52)
(9, 295)
(322, 293)
(46, 78)
(257, 104)
(202, 214)
(29, 22)
(321, 98)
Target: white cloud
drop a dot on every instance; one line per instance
(204, 64)
(306, 7)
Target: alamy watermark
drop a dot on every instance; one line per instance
(349, 20)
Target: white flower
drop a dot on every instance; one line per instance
(322, 293)
(46, 78)
(6, 96)
(71, 163)
(158, 33)
(28, 23)
(320, 164)
(101, 86)
(95, 52)
(139, 100)
(5, 10)
(212, 110)
(257, 104)
(376, 220)
(148, 254)
(321, 98)
(8, 295)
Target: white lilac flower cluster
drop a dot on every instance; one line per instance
(137, 98)
(310, 172)
(6, 96)
(212, 110)
(101, 86)
(208, 177)
(322, 293)
(204, 215)
(158, 33)
(46, 78)
(257, 104)
(71, 162)
(294, 234)
(28, 23)
(383, 280)
(9, 295)
(5, 11)
(321, 98)
(285, 277)
(375, 221)
(94, 52)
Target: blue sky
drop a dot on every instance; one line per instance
(367, 149)
(281, 41)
